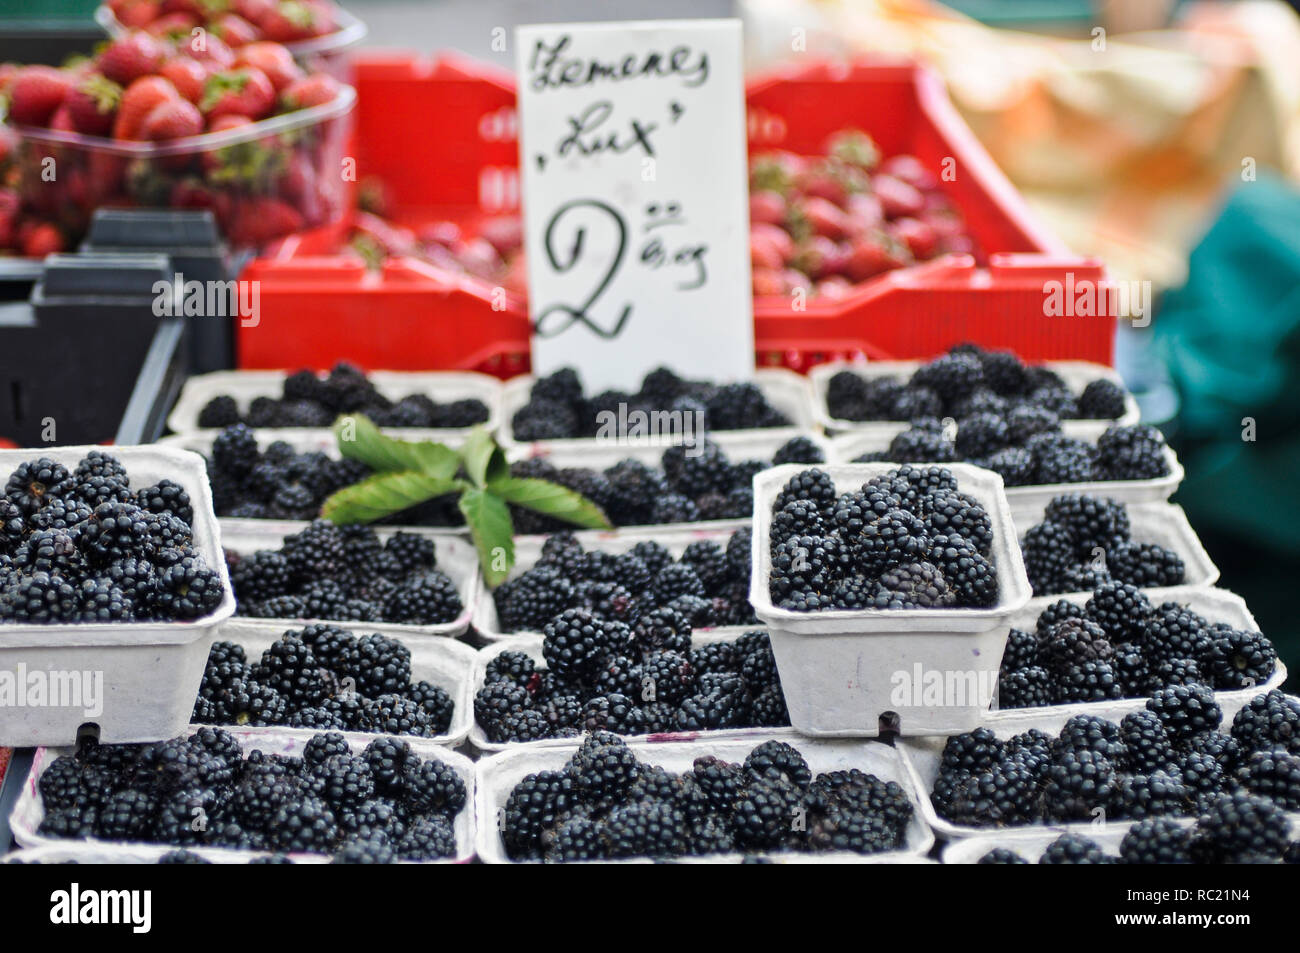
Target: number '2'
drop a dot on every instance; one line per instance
(579, 314)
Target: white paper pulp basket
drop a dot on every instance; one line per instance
(498, 775)
(149, 671)
(841, 670)
(30, 810)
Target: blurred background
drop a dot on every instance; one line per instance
(1160, 136)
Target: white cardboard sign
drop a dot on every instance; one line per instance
(636, 199)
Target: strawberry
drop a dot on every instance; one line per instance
(272, 59)
(187, 75)
(909, 169)
(767, 206)
(478, 257)
(763, 254)
(921, 240)
(136, 14)
(824, 217)
(775, 236)
(820, 257)
(234, 29)
(776, 171)
(854, 147)
(172, 119)
(897, 197)
(288, 21)
(61, 121)
(209, 49)
(242, 91)
(8, 217)
(873, 254)
(138, 101)
(259, 220)
(9, 142)
(794, 280)
(310, 91)
(41, 240)
(395, 240)
(92, 105)
(253, 10)
(195, 8)
(35, 92)
(504, 232)
(173, 26)
(132, 56)
(442, 234)
(864, 212)
(832, 180)
(834, 288)
(767, 282)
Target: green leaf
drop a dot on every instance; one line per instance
(386, 493)
(484, 460)
(551, 499)
(489, 523)
(359, 439)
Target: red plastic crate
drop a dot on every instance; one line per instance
(442, 136)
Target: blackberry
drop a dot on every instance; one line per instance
(333, 647)
(260, 576)
(387, 759)
(970, 576)
(533, 599)
(1078, 782)
(633, 490)
(1202, 775)
(1239, 659)
(603, 767)
(1048, 550)
(1156, 840)
(1186, 710)
(1013, 464)
(436, 704)
(1224, 748)
(976, 750)
(428, 838)
(1027, 420)
(674, 508)
(391, 714)
(1071, 643)
(769, 707)
(1145, 565)
(1146, 741)
(742, 405)
(778, 760)
(1152, 795)
(981, 434)
(711, 710)
(317, 552)
(1274, 774)
(35, 483)
(677, 580)
(1089, 733)
(911, 403)
(613, 712)
(115, 531)
(759, 666)
(188, 589)
(798, 518)
(920, 445)
(431, 600)
(1123, 611)
(246, 701)
(956, 514)
(813, 485)
(126, 816)
(694, 474)
(606, 600)
(1001, 855)
(1021, 650)
(364, 850)
(918, 585)
(379, 665)
(666, 677)
(951, 376)
(715, 658)
(618, 674)
(1132, 453)
(1074, 849)
(1240, 825)
(576, 641)
(1094, 522)
(1061, 459)
(49, 551)
(798, 450)
(103, 602)
(1181, 671)
(40, 598)
(631, 573)
(765, 814)
(434, 787)
(1102, 399)
(319, 718)
(324, 746)
(1175, 632)
(1028, 687)
(289, 668)
(893, 538)
(521, 724)
(303, 824)
(234, 450)
(646, 828)
(1271, 720)
(662, 629)
(221, 411)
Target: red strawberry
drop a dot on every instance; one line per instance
(819, 257)
(9, 142)
(909, 169)
(253, 10)
(187, 75)
(61, 121)
(294, 20)
(897, 197)
(504, 232)
(209, 49)
(235, 30)
(767, 282)
(136, 14)
(272, 59)
(41, 240)
(442, 234)
(776, 171)
(795, 280)
(854, 147)
(864, 212)
(824, 217)
(921, 240)
(873, 254)
(35, 92)
(832, 180)
(259, 220)
(311, 91)
(172, 119)
(243, 91)
(138, 101)
(129, 57)
(775, 236)
(8, 218)
(173, 26)
(834, 287)
(767, 206)
(92, 105)
(193, 7)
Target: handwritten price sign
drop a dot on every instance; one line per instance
(636, 208)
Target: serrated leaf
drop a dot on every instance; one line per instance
(359, 439)
(484, 460)
(551, 499)
(385, 494)
(489, 523)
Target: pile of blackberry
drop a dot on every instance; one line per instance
(970, 381)
(606, 804)
(322, 677)
(382, 805)
(1118, 645)
(83, 546)
(1170, 759)
(1024, 456)
(1234, 829)
(1085, 541)
(557, 408)
(907, 539)
(345, 574)
(692, 484)
(312, 400)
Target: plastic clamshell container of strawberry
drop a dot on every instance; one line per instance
(839, 668)
(1076, 374)
(498, 774)
(447, 663)
(1214, 604)
(848, 447)
(923, 756)
(29, 811)
(150, 670)
(245, 386)
(455, 555)
(304, 148)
